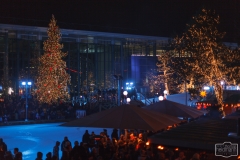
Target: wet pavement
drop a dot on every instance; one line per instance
(32, 138)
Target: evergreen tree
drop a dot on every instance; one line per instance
(52, 78)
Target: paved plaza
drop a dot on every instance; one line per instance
(41, 137)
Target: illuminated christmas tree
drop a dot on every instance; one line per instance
(52, 78)
(202, 52)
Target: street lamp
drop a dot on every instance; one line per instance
(125, 93)
(26, 84)
(160, 98)
(128, 100)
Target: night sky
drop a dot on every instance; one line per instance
(148, 17)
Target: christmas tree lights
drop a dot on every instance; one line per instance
(52, 77)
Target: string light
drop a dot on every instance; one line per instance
(52, 77)
(204, 61)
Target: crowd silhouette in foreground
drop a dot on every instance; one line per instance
(130, 145)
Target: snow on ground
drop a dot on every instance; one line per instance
(33, 138)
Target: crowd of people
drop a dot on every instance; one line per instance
(130, 145)
(14, 109)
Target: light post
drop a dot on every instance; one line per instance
(125, 93)
(128, 100)
(160, 98)
(118, 78)
(26, 84)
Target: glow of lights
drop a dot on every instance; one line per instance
(176, 149)
(129, 85)
(128, 100)
(203, 93)
(160, 98)
(125, 93)
(147, 143)
(206, 87)
(160, 147)
(52, 75)
(26, 83)
(165, 92)
(10, 90)
(222, 82)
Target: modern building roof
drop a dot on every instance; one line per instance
(32, 30)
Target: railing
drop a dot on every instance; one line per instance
(142, 98)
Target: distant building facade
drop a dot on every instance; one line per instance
(93, 57)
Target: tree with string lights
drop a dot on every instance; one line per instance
(201, 44)
(52, 80)
(232, 65)
(163, 78)
(153, 82)
(165, 70)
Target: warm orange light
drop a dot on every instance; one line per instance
(238, 157)
(198, 107)
(176, 149)
(97, 139)
(147, 143)
(169, 127)
(160, 147)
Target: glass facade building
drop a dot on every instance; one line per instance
(93, 57)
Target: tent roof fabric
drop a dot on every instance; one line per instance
(203, 133)
(175, 109)
(126, 117)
